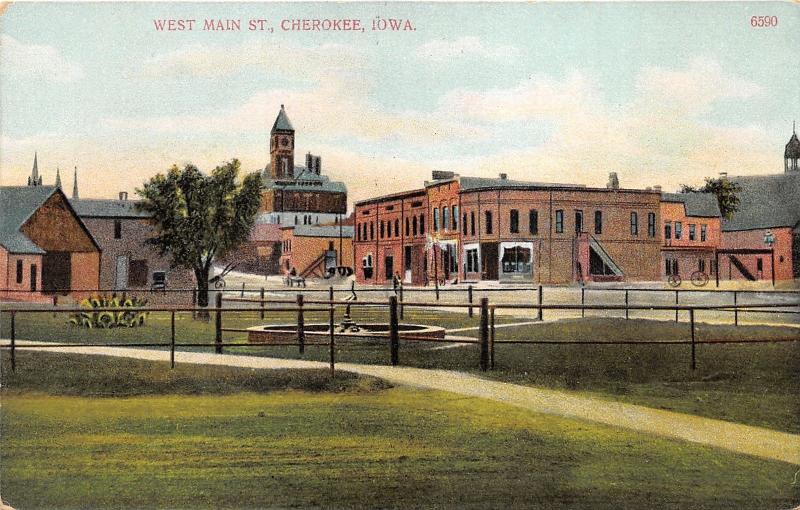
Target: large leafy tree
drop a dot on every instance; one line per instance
(725, 191)
(199, 217)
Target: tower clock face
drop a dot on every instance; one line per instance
(285, 142)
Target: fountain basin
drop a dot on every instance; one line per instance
(284, 333)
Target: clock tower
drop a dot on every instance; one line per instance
(281, 147)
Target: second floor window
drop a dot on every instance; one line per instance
(422, 224)
(703, 232)
(533, 222)
(692, 232)
(513, 221)
(559, 221)
(436, 220)
(414, 225)
(667, 230)
(634, 224)
(678, 229)
(651, 224)
(489, 226)
(117, 229)
(455, 218)
(598, 222)
(445, 218)
(464, 224)
(472, 223)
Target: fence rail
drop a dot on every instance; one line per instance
(486, 340)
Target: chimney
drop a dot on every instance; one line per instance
(613, 181)
(309, 161)
(504, 176)
(318, 165)
(723, 176)
(123, 195)
(657, 187)
(439, 175)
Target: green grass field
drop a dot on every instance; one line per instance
(216, 437)
(753, 384)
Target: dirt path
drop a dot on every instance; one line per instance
(760, 442)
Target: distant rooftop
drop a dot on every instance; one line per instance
(104, 208)
(17, 205)
(702, 205)
(766, 201)
(347, 231)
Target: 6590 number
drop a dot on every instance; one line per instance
(763, 21)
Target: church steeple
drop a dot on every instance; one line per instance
(791, 156)
(75, 185)
(58, 178)
(35, 179)
(281, 147)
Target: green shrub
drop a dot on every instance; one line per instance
(128, 316)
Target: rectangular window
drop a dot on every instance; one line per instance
(20, 271)
(578, 221)
(372, 230)
(455, 218)
(759, 264)
(435, 219)
(598, 222)
(667, 267)
(701, 265)
(408, 227)
(513, 221)
(533, 222)
(651, 224)
(414, 225)
(397, 228)
(489, 227)
(667, 230)
(692, 232)
(137, 273)
(634, 224)
(472, 260)
(464, 224)
(559, 221)
(472, 223)
(117, 229)
(445, 218)
(678, 229)
(422, 224)
(703, 232)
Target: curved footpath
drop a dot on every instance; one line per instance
(746, 439)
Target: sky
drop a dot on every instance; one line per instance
(661, 93)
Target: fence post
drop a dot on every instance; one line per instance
(676, 306)
(394, 334)
(491, 339)
(194, 303)
(262, 303)
(13, 341)
(691, 321)
(627, 316)
(55, 303)
(436, 284)
(469, 299)
(172, 340)
(218, 325)
(242, 295)
(541, 302)
(735, 309)
(331, 327)
(583, 301)
(484, 361)
(301, 333)
(402, 299)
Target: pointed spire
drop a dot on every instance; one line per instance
(75, 185)
(35, 179)
(58, 178)
(282, 122)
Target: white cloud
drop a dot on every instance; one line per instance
(40, 61)
(290, 60)
(466, 47)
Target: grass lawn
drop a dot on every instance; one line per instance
(216, 437)
(753, 384)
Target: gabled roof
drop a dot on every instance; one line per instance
(282, 122)
(17, 205)
(99, 208)
(703, 205)
(766, 201)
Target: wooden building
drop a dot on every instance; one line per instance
(45, 248)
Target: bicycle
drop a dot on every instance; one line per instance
(699, 278)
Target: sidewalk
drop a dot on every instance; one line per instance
(745, 439)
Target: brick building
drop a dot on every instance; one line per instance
(127, 262)
(294, 195)
(45, 248)
(471, 229)
(692, 232)
(312, 250)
